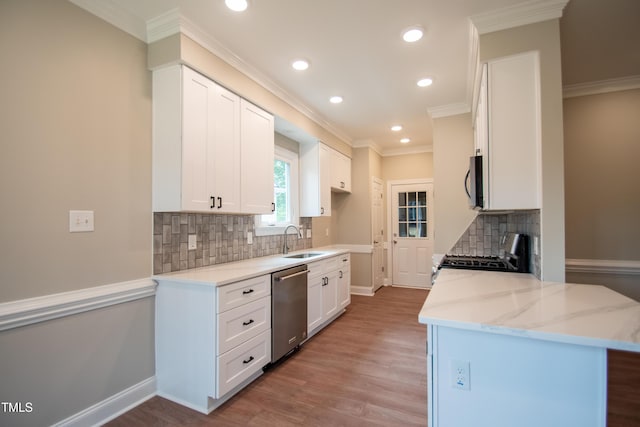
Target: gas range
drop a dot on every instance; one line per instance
(476, 263)
(515, 248)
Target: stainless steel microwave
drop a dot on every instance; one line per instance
(473, 183)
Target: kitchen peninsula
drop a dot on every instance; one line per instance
(506, 349)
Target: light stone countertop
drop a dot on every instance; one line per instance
(223, 274)
(521, 305)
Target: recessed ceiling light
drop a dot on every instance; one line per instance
(335, 99)
(300, 64)
(236, 5)
(396, 128)
(405, 140)
(412, 34)
(425, 82)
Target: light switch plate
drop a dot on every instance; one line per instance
(80, 221)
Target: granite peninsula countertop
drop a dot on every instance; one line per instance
(521, 305)
(223, 274)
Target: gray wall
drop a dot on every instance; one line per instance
(76, 134)
(601, 179)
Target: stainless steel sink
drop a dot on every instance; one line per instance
(305, 255)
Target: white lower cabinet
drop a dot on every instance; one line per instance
(210, 341)
(344, 281)
(326, 291)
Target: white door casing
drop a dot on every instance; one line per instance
(377, 233)
(412, 231)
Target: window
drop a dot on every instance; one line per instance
(412, 214)
(285, 183)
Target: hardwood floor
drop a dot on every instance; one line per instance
(367, 368)
(623, 393)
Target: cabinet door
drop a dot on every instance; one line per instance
(225, 146)
(514, 132)
(325, 184)
(315, 185)
(257, 156)
(314, 302)
(330, 295)
(340, 172)
(197, 138)
(344, 287)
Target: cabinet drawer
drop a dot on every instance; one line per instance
(239, 293)
(235, 366)
(344, 260)
(242, 323)
(332, 264)
(315, 268)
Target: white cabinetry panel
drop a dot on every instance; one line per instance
(508, 132)
(204, 138)
(257, 156)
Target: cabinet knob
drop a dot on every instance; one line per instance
(322, 211)
(213, 202)
(219, 202)
(341, 184)
(249, 360)
(247, 323)
(247, 291)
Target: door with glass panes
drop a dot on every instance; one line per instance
(412, 222)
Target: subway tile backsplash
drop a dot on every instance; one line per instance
(220, 238)
(483, 236)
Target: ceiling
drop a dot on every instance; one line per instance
(355, 50)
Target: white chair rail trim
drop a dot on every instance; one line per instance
(23, 312)
(602, 266)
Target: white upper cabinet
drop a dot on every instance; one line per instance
(257, 157)
(322, 170)
(204, 136)
(340, 172)
(315, 175)
(509, 107)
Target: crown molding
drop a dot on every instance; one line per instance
(407, 150)
(525, 13)
(448, 110)
(109, 11)
(602, 86)
(165, 25)
(367, 143)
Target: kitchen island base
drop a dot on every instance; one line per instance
(513, 381)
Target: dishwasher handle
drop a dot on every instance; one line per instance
(299, 273)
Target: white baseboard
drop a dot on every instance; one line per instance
(602, 266)
(112, 407)
(39, 309)
(362, 290)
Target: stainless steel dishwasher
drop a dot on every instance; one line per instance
(288, 310)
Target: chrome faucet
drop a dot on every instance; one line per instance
(285, 248)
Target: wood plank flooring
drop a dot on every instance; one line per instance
(367, 368)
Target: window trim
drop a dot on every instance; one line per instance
(262, 229)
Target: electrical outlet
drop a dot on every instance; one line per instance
(460, 375)
(249, 238)
(308, 233)
(193, 242)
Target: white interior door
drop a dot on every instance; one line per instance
(412, 223)
(377, 210)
